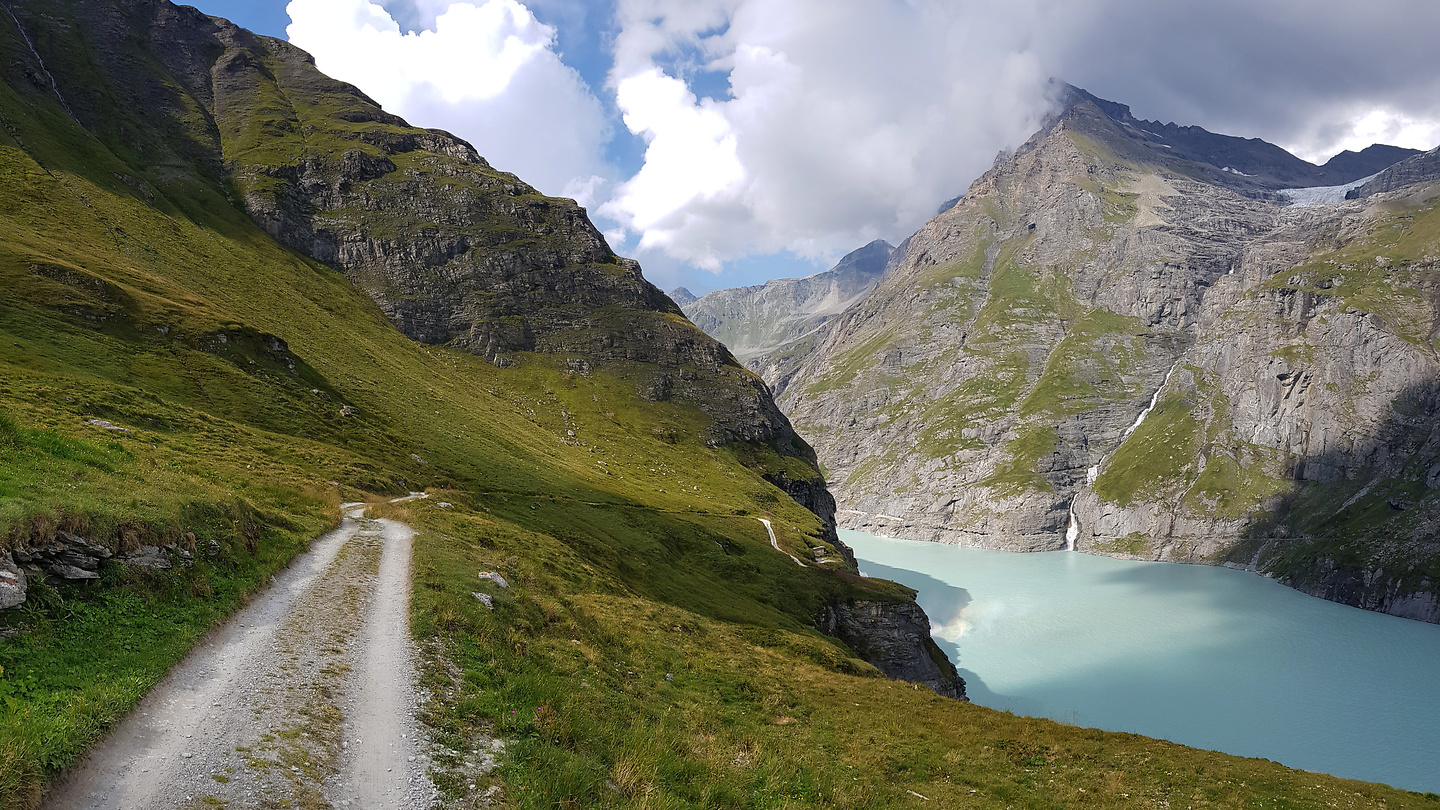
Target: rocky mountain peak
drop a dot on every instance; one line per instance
(1249, 165)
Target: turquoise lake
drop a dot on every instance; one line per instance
(1199, 655)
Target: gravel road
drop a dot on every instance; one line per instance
(305, 699)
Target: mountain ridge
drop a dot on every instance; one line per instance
(1248, 165)
(777, 317)
(989, 391)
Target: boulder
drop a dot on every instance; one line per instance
(147, 557)
(495, 578)
(70, 572)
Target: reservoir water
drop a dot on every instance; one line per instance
(1198, 655)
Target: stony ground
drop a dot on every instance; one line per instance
(305, 699)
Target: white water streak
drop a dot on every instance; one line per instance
(1154, 399)
(55, 86)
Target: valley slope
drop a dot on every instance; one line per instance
(234, 293)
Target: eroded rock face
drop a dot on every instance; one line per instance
(988, 392)
(895, 637)
(13, 583)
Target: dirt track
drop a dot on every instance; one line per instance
(305, 699)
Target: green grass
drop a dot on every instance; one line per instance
(1384, 272)
(1134, 544)
(111, 309)
(1186, 454)
(631, 540)
(571, 671)
(1160, 453)
(1238, 481)
(1019, 471)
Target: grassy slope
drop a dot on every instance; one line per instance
(631, 538)
(571, 671)
(112, 308)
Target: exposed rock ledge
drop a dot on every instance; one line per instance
(895, 637)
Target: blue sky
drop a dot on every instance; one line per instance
(726, 142)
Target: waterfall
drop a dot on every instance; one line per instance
(1154, 400)
(1073, 530)
(53, 84)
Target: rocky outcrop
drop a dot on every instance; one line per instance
(1377, 589)
(1103, 347)
(69, 557)
(813, 494)
(13, 583)
(895, 637)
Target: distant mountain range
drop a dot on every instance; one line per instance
(774, 317)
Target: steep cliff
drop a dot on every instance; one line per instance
(1112, 337)
(895, 637)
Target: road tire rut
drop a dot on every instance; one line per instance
(305, 699)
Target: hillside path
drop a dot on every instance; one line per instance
(304, 699)
(776, 543)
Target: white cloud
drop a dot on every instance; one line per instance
(805, 128)
(1371, 127)
(489, 73)
(846, 121)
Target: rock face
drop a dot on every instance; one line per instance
(895, 637)
(1419, 169)
(990, 390)
(776, 318)
(68, 557)
(13, 583)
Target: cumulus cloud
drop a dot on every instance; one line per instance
(839, 121)
(488, 72)
(805, 128)
(813, 126)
